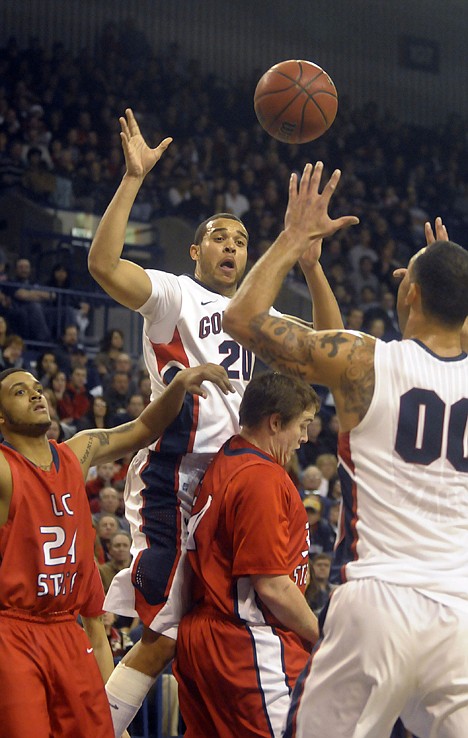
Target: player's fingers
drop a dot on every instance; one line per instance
(316, 177)
(132, 124)
(441, 231)
(292, 186)
(305, 178)
(124, 127)
(345, 222)
(196, 389)
(399, 273)
(331, 186)
(429, 233)
(218, 375)
(163, 145)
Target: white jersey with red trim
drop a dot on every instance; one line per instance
(188, 332)
(404, 473)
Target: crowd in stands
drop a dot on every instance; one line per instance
(60, 146)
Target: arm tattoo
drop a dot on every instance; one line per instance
(281, 344)
(289, 348)
(87, 450)
(103, 438)
(334, 342)
(358, 379)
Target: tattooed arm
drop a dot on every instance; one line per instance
(341, 360)
(306, 221)
(98, 446)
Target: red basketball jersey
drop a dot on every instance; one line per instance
(248, 519)
(46, 546)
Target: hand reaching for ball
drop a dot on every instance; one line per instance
(139, 157)
(307, 212)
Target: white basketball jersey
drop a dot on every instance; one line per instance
(404, 472)
(187, 332)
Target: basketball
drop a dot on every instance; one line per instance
(295, 101)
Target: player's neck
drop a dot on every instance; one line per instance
(258, 438)
(220, 288)
(439, 339)
(36, 450)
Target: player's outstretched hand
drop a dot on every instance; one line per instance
(196, 375)
(139, 157)
(307, 211)
(440, 231)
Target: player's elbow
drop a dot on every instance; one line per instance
(98, 266)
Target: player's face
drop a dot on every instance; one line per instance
(222, 255)
(23, 407)
(290, 436)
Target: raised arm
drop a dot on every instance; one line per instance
(325, 311)
(334, 358)
(306, 221)
(123, 280)
(98, 446)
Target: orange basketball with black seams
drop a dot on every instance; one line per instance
(295, 101)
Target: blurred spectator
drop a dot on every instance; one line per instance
(111, 346)
(76, 400)
(312, 481)
(96, 417)
(46, 367)
(3, 334)
(58, 384)
(365, 276)
(354, 319)
(79, 358)
(3, 266)
(73, 310)
(12, 353)
(335, 491)
(38, 181)
(68, 345)
(386, 264)
(367, 299)
(235, 202)
(330, 435)
(363, 247)
(28, 301)
(144, 388)
(119, 557)
(321, 535)
(105, 475)
(333, 516)
(55, 432)
(110, 502)
(106, 526)
(319, 588)
(118, 394)
(123, 363)
(328, 466)
(12, 167)
(134, 408)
